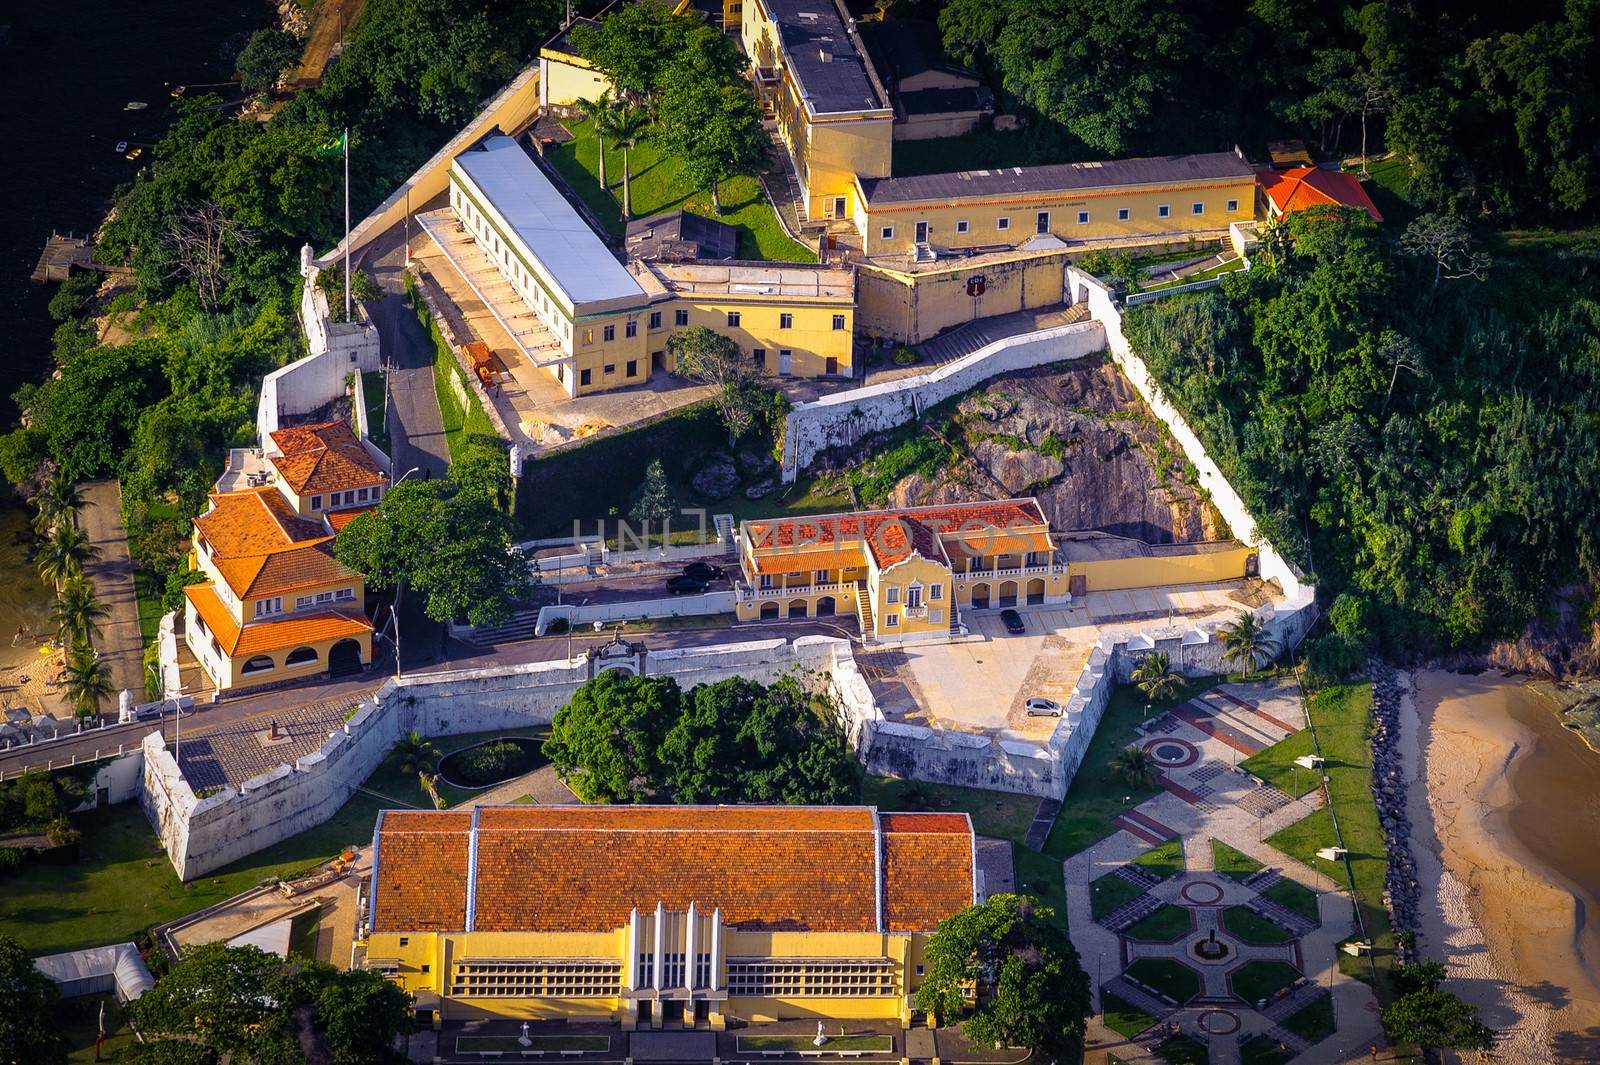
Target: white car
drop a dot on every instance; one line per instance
(1043, 708)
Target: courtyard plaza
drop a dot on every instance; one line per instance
(979, 684)
(1165, 921)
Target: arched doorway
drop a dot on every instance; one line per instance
(1008, 593)
(980, 597)
(344, 658)
(826, 607)
(1035, 592)
(797, 609)
(769, 611)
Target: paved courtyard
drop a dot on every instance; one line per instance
(1222, 954)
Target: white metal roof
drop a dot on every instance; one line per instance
(573, 257)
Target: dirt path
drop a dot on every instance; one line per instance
(119, 642)
(325, 33)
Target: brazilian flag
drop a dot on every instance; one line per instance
(334, 145)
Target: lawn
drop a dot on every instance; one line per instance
(1165, 925)
(1124, 1018)
(1199, 275)
(660, 184)
(387, 780)
(1294, 897)
(1110, 893)
(510, 1044)
(79, 1020)
(1184, 1050)
(1233, 863)
(1164, 861)
(1262, 1049)
(124, 883)
(372, 391)
(1389, 185)
(1173, 979)
(1249, 926)
(460, 422)
(1341, 716)
(1314, 1023)
(1275, 765)
(148, 588)
(872, 1044)
(1256, 980)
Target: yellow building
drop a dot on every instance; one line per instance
(904, 573)
(275, 604)
(655, 916)
(1147, 199)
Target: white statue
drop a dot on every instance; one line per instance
(523, 1038)
(820, 1039)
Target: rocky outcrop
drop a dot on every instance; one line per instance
(1401, 891)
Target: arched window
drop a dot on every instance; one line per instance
(258, 664)
(300, 656)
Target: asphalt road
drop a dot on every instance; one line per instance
(416, 431)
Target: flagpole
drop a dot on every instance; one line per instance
(347, 315)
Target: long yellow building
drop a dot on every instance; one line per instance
(654, 916)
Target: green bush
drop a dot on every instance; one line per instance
(491, 762)
(1331, 659)
(60, 832)
(10, 860)
(905, 356)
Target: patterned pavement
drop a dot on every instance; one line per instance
(230, 754)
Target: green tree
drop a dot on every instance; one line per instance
(1431, 1017)
(1010, 975)
(1156, 678)
(413, 753)
(29, 1031)
(655, 503)
(604, 743)
(1135, 766)
(627, 128)
(1246, 642)
(714, 128)
(63, 556)
(710, 358)
(58, 500)
(359, 1013)
(78, 612)
(88, 680)
(601, 112)
(266, 55)
(638, 47)
(234, 1001)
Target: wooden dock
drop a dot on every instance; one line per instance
(62, 252)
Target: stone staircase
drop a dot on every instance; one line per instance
(518, 627)
(1137, 875)
(869, 627)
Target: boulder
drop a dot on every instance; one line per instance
(717, 479)
(763, 487)
(1018, 471)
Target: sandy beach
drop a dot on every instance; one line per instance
(1503, 801)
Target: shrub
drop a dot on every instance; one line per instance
(905, 356)
(10, 860)
(1330, 659)
(60, 832)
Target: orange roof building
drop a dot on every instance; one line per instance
(325, 467)
(640, 913)
(1297, 188)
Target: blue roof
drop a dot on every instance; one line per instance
(573, 257)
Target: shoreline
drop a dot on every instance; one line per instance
(1509, 923)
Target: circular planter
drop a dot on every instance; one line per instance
(458, 770)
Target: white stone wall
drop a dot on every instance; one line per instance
(845, 417)
(336, 349)
(678, 606)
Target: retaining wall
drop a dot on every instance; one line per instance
(845, 417)
(678, 606)
(336, 349)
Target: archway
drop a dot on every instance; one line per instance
(769, 612)
(344, 658)
(302, 655)
(258, 664)
(797, 609)
(980, 597)
(620, 667)
(1008, 593)
(826, 607)
(1035, 592)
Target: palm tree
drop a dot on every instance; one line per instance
(56, 499)
(414, 754)
(88, 680)
(628, 127)
(1246, 641)
(64, 555)
(1156, 677)
(1135, 767)
(600, 111)
(78, 612)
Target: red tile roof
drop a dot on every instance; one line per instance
(324, 458)
(419, 870)
(893, 535)
(276, 635)
(338, 519)
(1305, 186)
(262, 547)
(584, 868)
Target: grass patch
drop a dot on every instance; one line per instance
(1199, 275)
(303, 934)
(78, 1019)
(1184, 1050)
(124, 884)
(148, 588)
(510, 1044)
(372, 391)
(1110, 893)
(1233, 863)
(659, 183)
(1313, 1023)
(1173, 979)
(1249, 926)
(461, 421)
(1262, 1049)
(869, 1043)
(1342, 715)
(1294, 897)
(1124, 1018)
(1257, 980)
(1275, 765)
(1165, 925)
(1164, 861)
(1389, 185)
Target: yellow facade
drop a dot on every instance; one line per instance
(909, 303)
(564, 79)
(1200, 564)
(982, 221)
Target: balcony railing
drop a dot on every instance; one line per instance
(1013, 571)
(746, 593)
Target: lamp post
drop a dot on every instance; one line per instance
(399, 591)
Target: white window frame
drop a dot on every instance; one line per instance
(1197, 208)
(891, 594)
(961, 225)
(1164, 210)
(886, 233)
(1083, 218)
(935, 593)
(913, 596)
(1124, 213)
(891, 621)
(1003, 223)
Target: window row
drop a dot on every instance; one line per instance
(680, 318)
(266, 608)
(1041, 220)
(348, 499)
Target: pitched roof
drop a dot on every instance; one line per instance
(1305, 186)
(338, 519)
(1063, 177)
(892, 536)
(260, 637)
(585, 868)
(325, 457)
(262, 547)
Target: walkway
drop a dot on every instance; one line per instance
(416, 429)
(120, 644)
(965, 339)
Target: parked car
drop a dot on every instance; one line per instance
(703, 571)
(685, 585)
(1043, 708)
(1013, 622)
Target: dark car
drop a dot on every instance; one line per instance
(703, 571)
(1013, 622)
(685, 585)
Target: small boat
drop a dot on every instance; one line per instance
(135, 105)
(179, 91)
(134, 154)
(122, 146)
